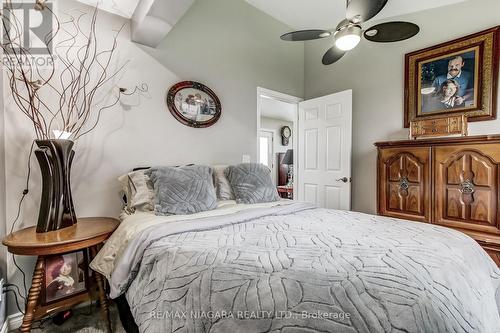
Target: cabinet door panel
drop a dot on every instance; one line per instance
(455, 207)
(466, 187)
(404, 183)
(394, 198)
(480, 207)
(414, 199)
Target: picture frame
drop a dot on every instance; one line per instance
(193, 104)
(65, 276)
(459, 77)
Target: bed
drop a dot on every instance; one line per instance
(287, 266)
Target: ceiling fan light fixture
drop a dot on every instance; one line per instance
(348, 38)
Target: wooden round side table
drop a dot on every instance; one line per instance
(87, 233)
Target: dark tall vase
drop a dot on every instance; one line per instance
(56, 206)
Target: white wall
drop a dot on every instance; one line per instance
(274, 125)
(3, 250)
(226, 44)
(375, 74)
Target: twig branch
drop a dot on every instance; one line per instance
(60, 95)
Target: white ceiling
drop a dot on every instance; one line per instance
(151, 19)
(272, 108)
(123, 8)
(326, 14)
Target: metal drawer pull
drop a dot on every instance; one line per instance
(404, 184)
(467, 187)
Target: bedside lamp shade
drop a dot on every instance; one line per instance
(288, 158)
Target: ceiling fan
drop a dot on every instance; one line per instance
(348, 33)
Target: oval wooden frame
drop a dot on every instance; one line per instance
(178, 115)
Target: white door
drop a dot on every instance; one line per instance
(325, 130)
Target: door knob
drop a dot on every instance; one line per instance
(344, 180)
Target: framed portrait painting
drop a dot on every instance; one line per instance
(66, 275)
(455, 78)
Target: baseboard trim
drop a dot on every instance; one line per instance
(14, 321)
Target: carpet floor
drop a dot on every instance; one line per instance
(86, 319)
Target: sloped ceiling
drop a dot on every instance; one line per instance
(124, 8)
(325, 14)
(151, 20)
(168, 10)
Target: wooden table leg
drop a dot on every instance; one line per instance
(33, 295)
(102, 293)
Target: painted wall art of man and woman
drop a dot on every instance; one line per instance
(448, 84)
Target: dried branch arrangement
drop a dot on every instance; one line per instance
(65, 94)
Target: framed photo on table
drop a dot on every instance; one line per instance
(66, 275)
(454, 78)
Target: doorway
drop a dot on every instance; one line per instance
(318, 166)
(277, 121)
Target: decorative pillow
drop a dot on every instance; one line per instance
(138, 191)
(222, 186)
(183, 190)
(251, 183)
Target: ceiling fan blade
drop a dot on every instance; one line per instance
(332, 55)
(391, 32)
(303, 35)
(362, 10)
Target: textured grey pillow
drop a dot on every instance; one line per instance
(182, 190)
(251, 183)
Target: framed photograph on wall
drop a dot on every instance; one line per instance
(193, 104)
(66, 275)
(454, 78)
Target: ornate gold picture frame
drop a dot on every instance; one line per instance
(454, 78)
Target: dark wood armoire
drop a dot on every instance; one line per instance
(453, 182)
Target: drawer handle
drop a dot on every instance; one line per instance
(404, 184)
(467, 187)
